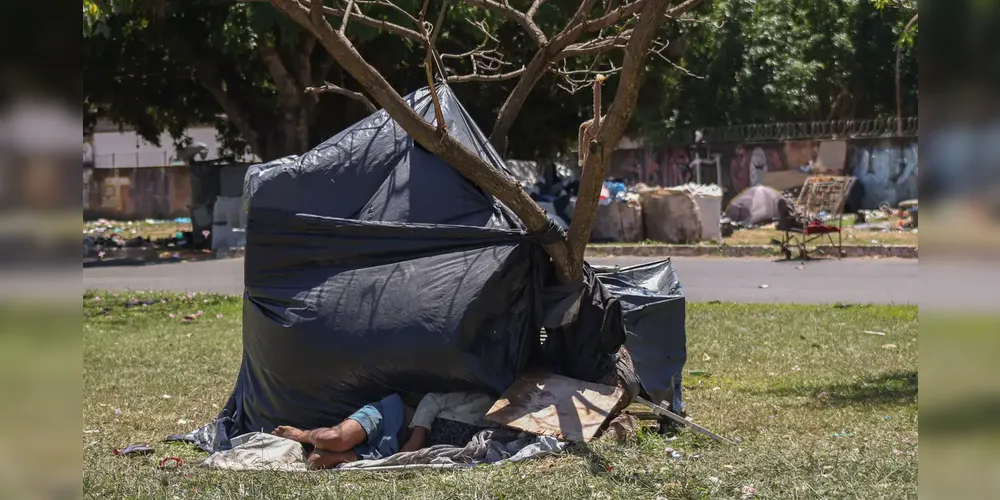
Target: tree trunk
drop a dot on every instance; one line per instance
(610, 132)
(235, 113)
(291, 95)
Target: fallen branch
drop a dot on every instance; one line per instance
(659, 410)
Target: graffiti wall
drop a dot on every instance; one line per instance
(886, 169)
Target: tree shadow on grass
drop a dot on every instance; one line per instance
(896, 388)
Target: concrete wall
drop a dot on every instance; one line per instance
(137, 193)
(111, 149)
(875, 163)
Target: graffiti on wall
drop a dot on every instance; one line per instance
(886, 172)
(877, 164)
(668, 166)
(749, 165)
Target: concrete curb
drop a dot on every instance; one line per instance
(850, 251)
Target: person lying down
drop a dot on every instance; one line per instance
(382, 429)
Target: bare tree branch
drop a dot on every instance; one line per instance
(582, 12)
(436, 30)
(423, 11)
(485, 78)
(371, 22)
(504, 9)
(596, 46)
(436, 141)
(534, 8)
(486, 62)
(347, 14)
(555, 51)
(439, 23)
(574, 81)
(429, 64)
(612, 18)
(636, 24)
(659, 47)
(391, 5)
(333, 89)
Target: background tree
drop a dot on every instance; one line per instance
(243, 68)
(727, 62)
(164, 67)
(766, 61)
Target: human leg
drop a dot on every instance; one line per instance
(340, 438)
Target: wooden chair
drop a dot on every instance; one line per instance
(800, 220)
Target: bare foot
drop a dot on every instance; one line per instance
(290, 432)
(320, 459)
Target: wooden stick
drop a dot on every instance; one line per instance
(659, 410)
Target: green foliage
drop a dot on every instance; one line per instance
(139, 70)
(730, 62)
(765, 61)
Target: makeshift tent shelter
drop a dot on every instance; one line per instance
(754, 205)
(373, 267)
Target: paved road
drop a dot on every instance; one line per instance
(859, 281)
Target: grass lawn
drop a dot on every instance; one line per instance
(822, 408)
(851, 236)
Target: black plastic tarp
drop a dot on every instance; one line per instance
(653, 306)
(372, 267)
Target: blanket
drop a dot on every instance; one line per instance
(260, 451)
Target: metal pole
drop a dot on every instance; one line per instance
(718, 170)
(697, 168)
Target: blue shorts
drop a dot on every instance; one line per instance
(383, 421)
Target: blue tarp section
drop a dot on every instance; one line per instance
(654, 310)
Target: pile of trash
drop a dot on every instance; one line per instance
(554, 189)
(885, 218)
(619, 214)
(107, 239)
(637, 212)
(617, 191)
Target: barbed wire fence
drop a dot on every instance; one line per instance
(775, 132)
